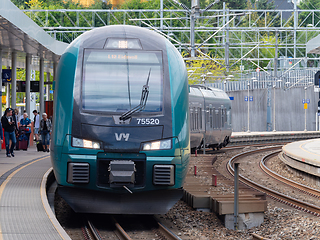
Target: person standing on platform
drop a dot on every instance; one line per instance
(36, 124)
(25, 123)
(1, 134)
(17, 115)
(45, 130)
(9, 126)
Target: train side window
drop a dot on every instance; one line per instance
(219, 117)
(207, 115)
(212, 117)
(225, 116)
(191, 119)
(196, 118)
(200, 118)
(222, 117)
(229, 116)
(216, 118)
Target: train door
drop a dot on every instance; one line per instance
(191, 119)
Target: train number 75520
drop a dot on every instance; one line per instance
(148, 121)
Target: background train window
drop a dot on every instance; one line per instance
(229, 116)
(211, 117)
(222, 117)
(191, 119)
(207, 115)
(196, 118)
(216, 118)
(200, 118)
(113, 80)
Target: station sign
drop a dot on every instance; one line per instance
(305, 101)
(6, 75)
(34, 86)
(250, 98)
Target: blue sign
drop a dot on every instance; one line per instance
(308, 101)
(6, 75)
(251, 98)
(303, 101)
(246, 98)
(51, 91)
(231, 98)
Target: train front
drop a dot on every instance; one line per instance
(120, 141)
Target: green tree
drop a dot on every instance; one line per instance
(232, 4)
(309, 4)
(201, 67)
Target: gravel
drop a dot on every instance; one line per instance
(280, 222)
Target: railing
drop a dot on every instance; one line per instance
(261, 80)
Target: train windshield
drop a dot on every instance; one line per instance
(113, 80)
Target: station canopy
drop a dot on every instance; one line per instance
(18, 33)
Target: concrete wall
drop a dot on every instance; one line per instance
(289, 110)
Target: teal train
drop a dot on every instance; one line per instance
(120, 141)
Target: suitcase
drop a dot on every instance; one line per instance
(17, 144)
(39, 146)
(23, 144)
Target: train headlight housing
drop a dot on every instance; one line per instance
(83, 143)
(157, 145)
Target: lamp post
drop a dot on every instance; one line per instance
(305, 110)
(248, 85)
(274, 107)
(254, 79)
(274, 103)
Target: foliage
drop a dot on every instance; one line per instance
(232, 4)
(59, 4)
(309, 4)
(201, 67)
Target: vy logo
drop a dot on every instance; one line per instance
(120, 136)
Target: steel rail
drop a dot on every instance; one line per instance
(306, 189)
(167, 233)
(121, 231)
(94, 231)
(271, 193)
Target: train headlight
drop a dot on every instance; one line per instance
(83, 143)
(157, 145)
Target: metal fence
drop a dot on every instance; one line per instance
(262, 80)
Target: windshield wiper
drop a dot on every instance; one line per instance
(143, 101)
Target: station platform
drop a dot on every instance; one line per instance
(238, 138)
(303, 155)
(24, 209)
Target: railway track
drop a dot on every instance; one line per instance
(301, 205)
(147, 229)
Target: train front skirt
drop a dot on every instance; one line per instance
(151, 202)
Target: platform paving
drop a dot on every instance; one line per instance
(307, 151)
(304, 156)
(243, 138)
(22, 212)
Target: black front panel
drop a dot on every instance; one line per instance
(122, 138)
(104, 160)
